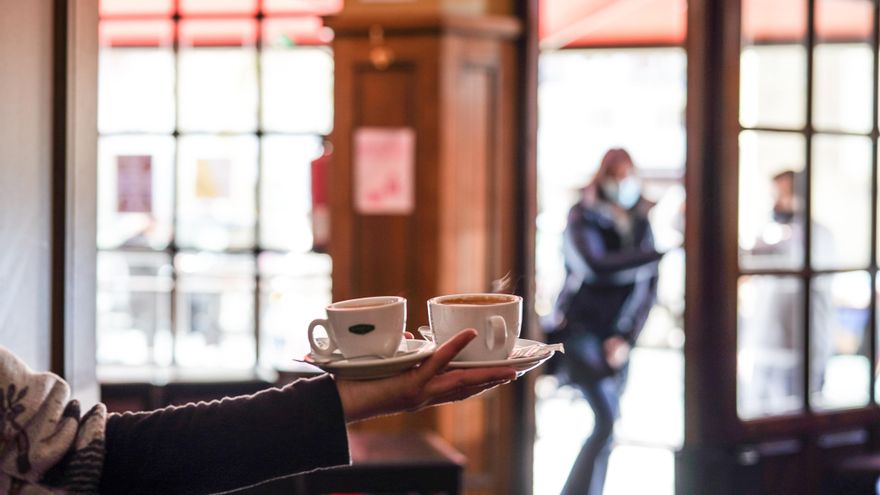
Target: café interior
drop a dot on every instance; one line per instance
(186, 184)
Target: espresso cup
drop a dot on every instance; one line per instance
(496, 318)
(370, 326)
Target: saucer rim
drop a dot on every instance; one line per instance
(423, 351)
(513, 362)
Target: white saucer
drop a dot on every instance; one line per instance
(412, 352)
(520, 364)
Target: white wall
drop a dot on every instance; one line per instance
(25, 177)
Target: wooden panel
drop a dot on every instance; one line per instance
(25, 177)
(466, 228)
(381, 245)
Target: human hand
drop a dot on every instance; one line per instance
(424, 386)
(616, 351)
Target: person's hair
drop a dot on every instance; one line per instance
(785, 175)
(612, 157)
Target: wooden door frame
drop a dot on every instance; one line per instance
(527, 199)
(74, 196)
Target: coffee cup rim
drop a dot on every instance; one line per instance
(343, 305)
(513, 299)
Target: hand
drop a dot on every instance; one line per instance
(424, 386)
(616, 351)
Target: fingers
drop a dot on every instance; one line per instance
(409, 335)
(462, 379)
(444, 354)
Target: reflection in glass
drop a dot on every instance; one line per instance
(297, 89)
(771, 193)
(136, 7)
(318, 7)
(136, 89)
(774, 21)
(294, 290)
(216, 192)
(839, 367)
(215, 311)
(286, 195)
(135, 191)
(215, 7)
(842, 98)
(218, 89)
(773, 86)
(133, 308)
(770, 346)
(841, 199)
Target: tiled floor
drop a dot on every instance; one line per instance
(648, 432)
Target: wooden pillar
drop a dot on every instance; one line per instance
(445, 70)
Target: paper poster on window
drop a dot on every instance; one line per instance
(134, 184)
(384, 170)
(212, 178)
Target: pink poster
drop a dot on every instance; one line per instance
(384, 170)
(134, 184)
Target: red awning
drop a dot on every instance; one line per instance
(603, 23)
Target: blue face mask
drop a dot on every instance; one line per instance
(625, 193)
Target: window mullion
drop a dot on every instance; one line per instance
(872, 306)
(808, 203)
(173, 248)
(260, 18)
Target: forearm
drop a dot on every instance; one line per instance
(221, 445)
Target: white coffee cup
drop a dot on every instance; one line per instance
(370, 326)
(496, 318)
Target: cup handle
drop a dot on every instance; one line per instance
(497, 334)
(317, 349)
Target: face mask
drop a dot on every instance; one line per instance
(783, 216)
(625, 193)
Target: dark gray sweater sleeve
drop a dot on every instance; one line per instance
(222, 445)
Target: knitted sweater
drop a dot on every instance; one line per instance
(207, 447)
(46, 446)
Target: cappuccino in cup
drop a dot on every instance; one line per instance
(497, 318)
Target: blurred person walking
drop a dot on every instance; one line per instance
(611, 284)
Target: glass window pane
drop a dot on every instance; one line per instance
(298, 90)
(843, 65)
(773, 86)
(136, 89)
(841, 201)
(844, 21)
(295, 288)
(141, 33)
(216, 196)
(842, 97)
(771, 193)
(211, 7)
(286, 201)
(134, 308)
(840, 369)
(316, 7)
(135, 191)
(774, 21)
(770, 346)
(218, 80)
(136, 7)
(215, 311)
